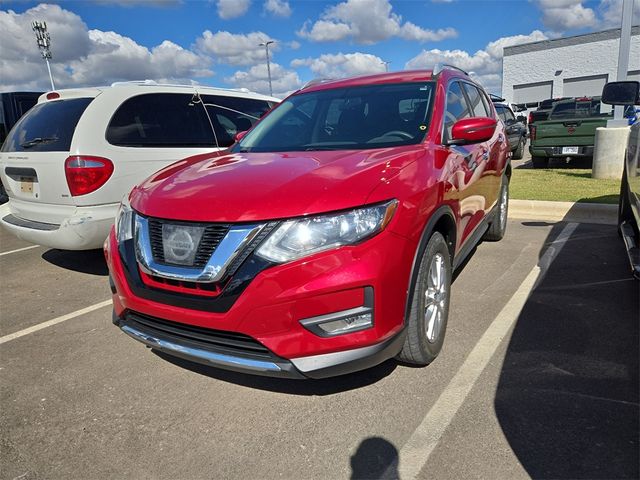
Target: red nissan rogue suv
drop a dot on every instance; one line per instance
(324, 240)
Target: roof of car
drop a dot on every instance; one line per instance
(376, 79)
(137, 87)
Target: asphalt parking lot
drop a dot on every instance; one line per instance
(538, 378)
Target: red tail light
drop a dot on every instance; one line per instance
(53, 95)
(86, 174)
(532, 132)
(530, 117)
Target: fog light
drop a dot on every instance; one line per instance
(345, 321)
(348, 324)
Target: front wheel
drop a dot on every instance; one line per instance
(429, 312)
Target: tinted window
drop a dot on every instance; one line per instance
(161, 120)
(371, 116)
(509, 114)
(501, 113)
(576, 109)
(457, 109)
(47, 127)
(475, 98)
(230, 115)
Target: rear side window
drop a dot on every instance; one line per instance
(47, 127)
(230, 115)
(168, 120)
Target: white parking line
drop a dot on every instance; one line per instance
(18, 250)
(416, 451)
(55, 321)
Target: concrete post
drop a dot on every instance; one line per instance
(608, 155)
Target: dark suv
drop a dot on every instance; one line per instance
(515, 129)
(323, 241)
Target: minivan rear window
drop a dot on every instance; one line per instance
(47, 127)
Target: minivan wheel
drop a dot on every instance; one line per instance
(429, 312)
(498, 225)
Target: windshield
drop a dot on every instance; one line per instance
(371, 116)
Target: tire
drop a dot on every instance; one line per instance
(624, 210)
(4, 198)
(498, 225)
(427, 323)
(540, 162)
(518, 153)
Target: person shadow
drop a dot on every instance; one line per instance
(376, 458)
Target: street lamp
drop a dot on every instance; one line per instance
(386, 65)
(266, 49)
(44, 44)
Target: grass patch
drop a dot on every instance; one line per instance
(562, 185)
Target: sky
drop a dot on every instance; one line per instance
(216, 42)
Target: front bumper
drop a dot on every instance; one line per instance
(82, 228)
(583, 151)
(271, 307)
(241, 354)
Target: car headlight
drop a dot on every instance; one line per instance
(124, 221)
(305, 236)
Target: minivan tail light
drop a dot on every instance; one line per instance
(86, 174)
(53, 95)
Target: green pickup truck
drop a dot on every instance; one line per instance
(569, 132)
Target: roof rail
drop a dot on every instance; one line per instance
(495, 98)
(316, 81)
(439, 67)
(135, 82)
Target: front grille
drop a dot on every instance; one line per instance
(221, 341)
(212, 236)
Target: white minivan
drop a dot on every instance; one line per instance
(69, 161)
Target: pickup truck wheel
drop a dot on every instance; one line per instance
(540, 162)
(518, 153)
(429, 312)
(498, 225)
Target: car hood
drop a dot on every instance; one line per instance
(245, 187)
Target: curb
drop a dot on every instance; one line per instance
(564, 211)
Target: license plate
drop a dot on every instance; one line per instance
(569, 150)
(26, 184)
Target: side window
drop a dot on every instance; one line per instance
(230, 115)
(475, 98)
(168, 120)
(501, 113)
(509, 115)
(457, 109)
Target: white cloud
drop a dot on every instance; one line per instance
(278, 8)
(561, 15)
(83, 57)
(256, 79)
(342, 65)
(611, 11)
(235, 49)
(485, 64)
(366, 22)
(228, 9)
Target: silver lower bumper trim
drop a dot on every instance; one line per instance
(200, 355)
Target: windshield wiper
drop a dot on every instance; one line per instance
(37, 141)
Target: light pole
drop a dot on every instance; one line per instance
(266, 49)
(386, 65)
(44, 44)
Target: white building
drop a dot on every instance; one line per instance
(565, 67)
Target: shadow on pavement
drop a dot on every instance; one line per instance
(376, 458)
(85, 261)
(567, 398)
(322, 387)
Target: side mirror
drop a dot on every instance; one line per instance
(472, 130)
(239, 136)
(521, 119)
(621, 93)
